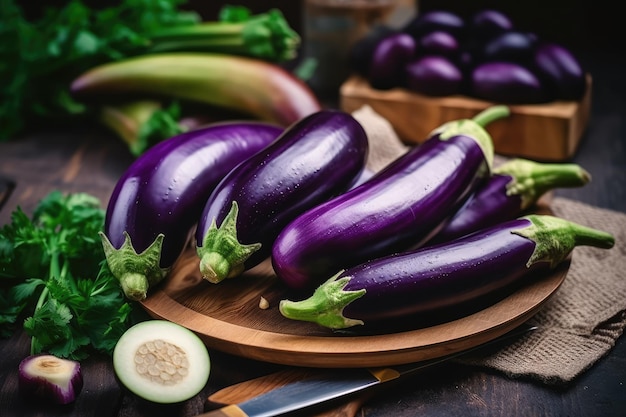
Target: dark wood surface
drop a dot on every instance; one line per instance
(85, 158)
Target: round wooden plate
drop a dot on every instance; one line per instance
(228, 318)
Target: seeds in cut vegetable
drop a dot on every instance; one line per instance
(161, 362)
(50, 378)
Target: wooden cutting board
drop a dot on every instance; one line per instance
(228, 318)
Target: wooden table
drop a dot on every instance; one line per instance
(84, 158)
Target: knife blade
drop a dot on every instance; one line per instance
(329, 385)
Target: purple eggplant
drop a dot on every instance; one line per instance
(514, 187)
(434, 75)
(507, 83)
(561, 71)
(510, 46)
(438, 43)
(440, 281)
(315, 159)
(488, 23)
(435, 20)
(392, 53)
(159, 198)
(399, 207)
(360, 54)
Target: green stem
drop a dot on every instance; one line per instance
(491, 114)
(221, 254)
(475, 129)
(53, 271)
(530, 179)
(136, 272)
(266, 36)
(325, 306)
(555, 238)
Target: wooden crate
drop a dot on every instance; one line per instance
(544, 132)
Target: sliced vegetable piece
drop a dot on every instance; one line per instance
(440, 280)
(50, 378)
(161, 361)
(514, 187)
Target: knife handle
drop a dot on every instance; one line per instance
(228, 411)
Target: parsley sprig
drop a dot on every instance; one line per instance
(53, 274)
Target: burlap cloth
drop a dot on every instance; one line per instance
(583, 319)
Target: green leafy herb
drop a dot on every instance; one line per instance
(40, 57)
(54, 273)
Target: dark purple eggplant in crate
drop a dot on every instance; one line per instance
(560, 70)
(361, 52)
(488, 23)
(511, 46)
(435, 20)
(414, 286)
(434, 75)
(399, 207)
(392, 53)
(315, 159)
(438, 43)
(158, 199)
(507, 83)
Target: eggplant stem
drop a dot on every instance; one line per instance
(491, 114)
(137, 272)
(325, 306)
(221, 254)
(530, 179)
(555, 238)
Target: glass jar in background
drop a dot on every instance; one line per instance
(332, 26)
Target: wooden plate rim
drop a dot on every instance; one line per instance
(360, 351)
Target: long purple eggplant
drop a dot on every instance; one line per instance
(514, 187)
(402, 205)
(314, 160)
(159, 198)
(436, 281)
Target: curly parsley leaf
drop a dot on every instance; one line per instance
(53, 268)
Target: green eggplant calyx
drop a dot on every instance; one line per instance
(136, 272)
(530, 179)
(475, 129)
(221, 254)
(556, 238)
(325, 306)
